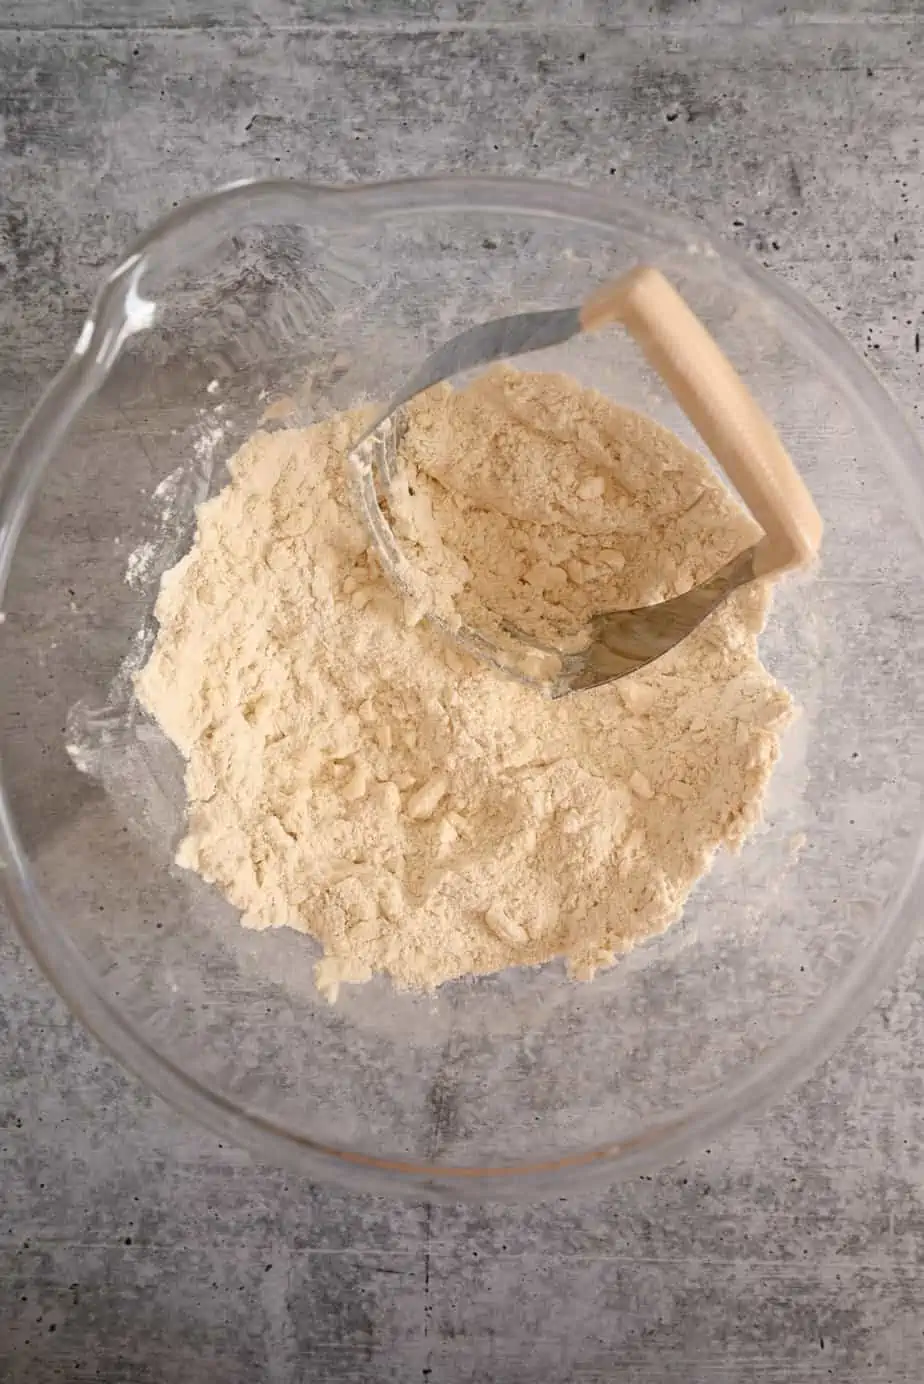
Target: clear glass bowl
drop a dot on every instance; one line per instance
(521, 1083)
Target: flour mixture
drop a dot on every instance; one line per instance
(353, 777)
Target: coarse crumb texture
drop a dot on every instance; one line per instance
(351, 776)
(553, 505)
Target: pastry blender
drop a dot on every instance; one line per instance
(720, 407)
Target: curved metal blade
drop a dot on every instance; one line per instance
(489, 341)
(623, 641)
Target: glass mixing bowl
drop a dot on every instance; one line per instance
(285, 300)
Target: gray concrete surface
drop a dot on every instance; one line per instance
(132, 1246)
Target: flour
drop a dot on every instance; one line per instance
(359, 779)
(173, 495)
(553, 505)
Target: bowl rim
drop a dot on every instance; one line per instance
(118, 311)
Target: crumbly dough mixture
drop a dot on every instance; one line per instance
(354, 777)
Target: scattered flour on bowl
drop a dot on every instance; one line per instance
(351, 776)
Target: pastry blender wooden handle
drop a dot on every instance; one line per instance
(721, 408)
